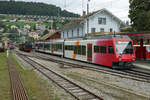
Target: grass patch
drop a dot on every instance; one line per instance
(37, 88)
(4, 78)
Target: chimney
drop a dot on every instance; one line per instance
(84, 13)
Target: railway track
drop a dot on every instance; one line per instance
(139, 74)
(135, 73)
(72, 88)
(17, 88)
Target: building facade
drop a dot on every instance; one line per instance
(99, 21)
(33, 35)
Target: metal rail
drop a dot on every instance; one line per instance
(17, 88)
(135, 74)
(72, 88)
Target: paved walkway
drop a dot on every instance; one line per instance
(142, 64)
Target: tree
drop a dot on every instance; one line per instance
(45, 32)
(1, 35)
(139, 14)
(31, 8)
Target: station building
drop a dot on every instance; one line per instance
(98, 21)
(102, 22)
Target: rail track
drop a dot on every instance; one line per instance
(17, 88)
(134, 73)
(72, 88)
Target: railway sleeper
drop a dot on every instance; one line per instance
(86, 97)
(81, 94)
(77, 91)
(75, 88)
(64, 83)
(70, 86)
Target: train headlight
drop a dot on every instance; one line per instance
(120, 58)
(133, 59)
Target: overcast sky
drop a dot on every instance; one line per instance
(120, 8)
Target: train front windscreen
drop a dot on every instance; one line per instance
(28, 45)
(124, 47)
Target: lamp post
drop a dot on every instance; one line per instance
(87, 16)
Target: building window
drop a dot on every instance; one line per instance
(111, 30)
(102, 21)
(82, 31)
(93, 30)
(72, 33)
(67, 34)
(102, 30)
(77, 31)
(63, 34)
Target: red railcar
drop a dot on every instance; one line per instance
(110, 51)
(26, 47)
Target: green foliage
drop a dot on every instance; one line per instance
(127, 29)
(140, 14)
(45, 32)
(31, 8)
(1, 35)
(13, 37)
(1, 24)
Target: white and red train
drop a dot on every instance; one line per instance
(111, 51)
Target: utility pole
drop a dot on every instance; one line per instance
(87, 16)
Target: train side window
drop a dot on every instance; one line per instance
(71, 47)
(76, 50)
(102, 49)
(49, 46)
(111, 50)
(79, 50)
(83, 50)
(96, 49)
(61, 46)
(66, 47)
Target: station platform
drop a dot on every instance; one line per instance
(142, 64)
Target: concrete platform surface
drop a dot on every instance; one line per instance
(142, 64)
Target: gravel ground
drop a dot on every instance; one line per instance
(56, 90)
(108, 86)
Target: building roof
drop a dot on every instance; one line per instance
(5, 39)
(72, 23)
(78, 21)
(48, 35)
(103, 33)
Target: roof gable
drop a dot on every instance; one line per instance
(82, 18)
(107, 12)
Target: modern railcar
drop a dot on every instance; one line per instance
(110, 51)
(54, 47)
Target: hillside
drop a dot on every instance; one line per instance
(31, 8)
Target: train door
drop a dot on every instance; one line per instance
(89, 52)
(52, 48)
